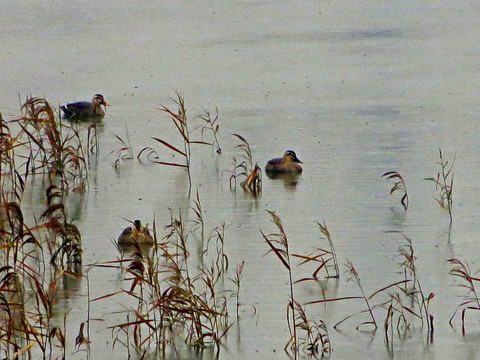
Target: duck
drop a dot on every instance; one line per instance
(136, 234)
(288, 164)
(85, 108)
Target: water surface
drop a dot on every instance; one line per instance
(356, 89)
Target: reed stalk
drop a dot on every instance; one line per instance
(244, 167)
(306, 335)
(278, 243)
(444, 185)
(211, 125)
(322, 256)
(180, 121)
(471, 299)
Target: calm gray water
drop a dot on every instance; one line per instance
(355, 88)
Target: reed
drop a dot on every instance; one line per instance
(444, 185)
(405, 304)
(176, 300)
(313, 338)
(237, 280)
(181, 123)
(398, 186)
(211, 125)
(12, 307)
(30, 288)
(305, 335)
(395, 319)
(471, 300)
(51, 147)
(209, 305)
(125, 151)
(243, 167)
(278, 243)
(12, 182)
(215, 237)
(39, 259)
(415, 293)
(321, 256)
(409, 305)
(199, 223)
(368, 300)
(356, 278)
(67, 252)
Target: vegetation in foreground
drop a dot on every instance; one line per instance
(177, 297)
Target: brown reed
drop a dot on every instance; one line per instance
(175, 299)
(123, 153)
(322, 256)
(180, 121)
(398, 186)
(315, 340)
(211, 125)
(41, 258)
(471, 300)
(444, 185)
(244, 167)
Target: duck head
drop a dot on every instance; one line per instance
(290, 156)
(137, 224)
(98, 99)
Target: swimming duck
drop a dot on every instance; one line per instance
(85, 108)
(136, 234)
(289, 163)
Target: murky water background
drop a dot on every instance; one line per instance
(355, 88)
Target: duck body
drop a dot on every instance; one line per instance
(288, 164)
(136, 234)
(84, 109)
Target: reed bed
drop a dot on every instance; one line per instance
(38, 261)
(183, 286)
(403, 303)
(39, 256)
(42, 144)
(175, 299)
